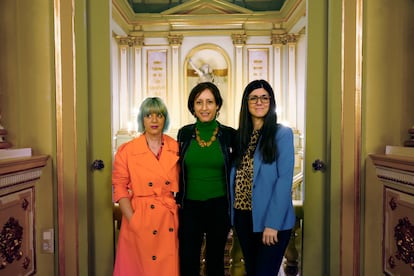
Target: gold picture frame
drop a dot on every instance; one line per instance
(258, 63)
(157, 73)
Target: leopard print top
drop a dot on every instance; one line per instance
(244, 176)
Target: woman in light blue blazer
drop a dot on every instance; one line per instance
(261, 182)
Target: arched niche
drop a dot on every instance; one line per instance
(209, 62)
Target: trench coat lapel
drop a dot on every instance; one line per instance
(164, 165)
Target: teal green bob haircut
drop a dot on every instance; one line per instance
(149, 106)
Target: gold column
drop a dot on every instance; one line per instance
(176, 75)
(137, 95)
(292, 97)
(129, 89)
(239, 41)
(278, 40)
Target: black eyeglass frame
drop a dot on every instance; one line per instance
(255, 99)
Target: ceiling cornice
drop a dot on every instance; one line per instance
(209, 15)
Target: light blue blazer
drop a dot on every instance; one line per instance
(272, 186)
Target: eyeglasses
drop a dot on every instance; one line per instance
(263, 98)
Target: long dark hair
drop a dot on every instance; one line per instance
(267, 143)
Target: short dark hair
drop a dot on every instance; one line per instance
(200, 88)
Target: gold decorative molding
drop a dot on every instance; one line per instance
(394, 168)
(136, 41)
(122, 40)
(291, 38)
(216, 72)
(284, 38)
(175, 40)
(130, 40)
(278, 39)
(239, 39)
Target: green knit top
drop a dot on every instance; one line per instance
(204, 166)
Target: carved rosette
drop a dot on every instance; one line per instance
(392, 203)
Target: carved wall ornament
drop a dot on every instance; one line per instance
(11, 238)
(291, 38)
(130, 41)
(391, 262)
(398, 233)
(26, 263)
(392, 203)
(404, 238)
(205, 72)
(122, 40)
(136, 41)
(25, 204)
(175, 40)
(239, 39)
(284, 38)
(279, 39)
(18, 178)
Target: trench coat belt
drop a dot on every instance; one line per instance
(166, 199)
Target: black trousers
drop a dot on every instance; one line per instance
(197, 218)
(259, 259)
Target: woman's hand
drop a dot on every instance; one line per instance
(126, 208)
(269, 236)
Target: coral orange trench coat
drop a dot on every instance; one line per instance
(148, 243)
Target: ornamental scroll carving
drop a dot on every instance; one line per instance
(239, 39)
(17, 213)
(404, 239)
(175, 40)
(11, 238)
(131, 40)
(399, 246)
(397, 176)
(284, 38)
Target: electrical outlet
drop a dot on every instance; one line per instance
(47, 243)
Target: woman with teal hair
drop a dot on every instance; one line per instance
(145, 180)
